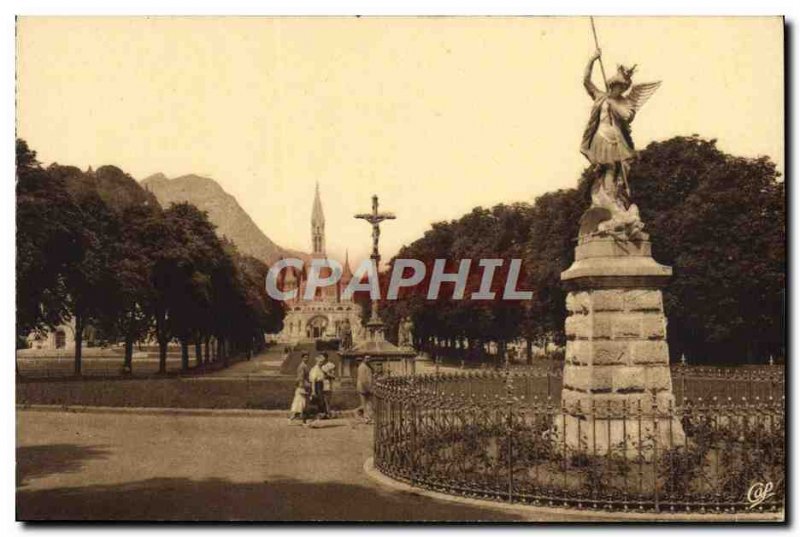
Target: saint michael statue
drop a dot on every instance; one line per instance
(608, 145)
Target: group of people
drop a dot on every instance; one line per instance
(314, 389)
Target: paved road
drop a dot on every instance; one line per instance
(134, 467)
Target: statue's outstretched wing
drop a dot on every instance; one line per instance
(641, 92)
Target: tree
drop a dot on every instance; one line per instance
(497, 233)
(263, 314)
(46, 241)
(720, 221)
(134, 292)
(244, 311)
(189, 252)
(130, 317)
(119, 190)
(96, 248)
(550, 250)
(88, 277)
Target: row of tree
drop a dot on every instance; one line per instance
(95, 248)
(717, 219)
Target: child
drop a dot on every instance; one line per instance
(298, 409)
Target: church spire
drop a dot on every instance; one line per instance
(317, 226)
(317, 216)
(347, 274)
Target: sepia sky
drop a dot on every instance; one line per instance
(435, 115)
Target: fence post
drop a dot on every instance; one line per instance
(414, 450)
(376, 427)
(593, 410)
(684, 363)
(655, 452)
(564, 442)
(510, 454)
(639, 449)
(772, 375)
(548, 381)
(510, 440)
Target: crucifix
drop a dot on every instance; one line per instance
(375, 218)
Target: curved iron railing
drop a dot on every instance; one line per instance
(498, 435)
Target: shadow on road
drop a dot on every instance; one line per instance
(216, 499)
(40, 461)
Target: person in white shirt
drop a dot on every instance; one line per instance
(329, 370)
(317, 379)
(364, 389)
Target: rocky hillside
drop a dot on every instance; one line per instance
(223, 210)
(119, 189)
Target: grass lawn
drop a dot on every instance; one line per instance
(268, 393)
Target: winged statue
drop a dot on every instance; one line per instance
(607, 144)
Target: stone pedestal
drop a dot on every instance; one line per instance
(617, 389)
(386, 358)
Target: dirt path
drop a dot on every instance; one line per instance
(109, 466)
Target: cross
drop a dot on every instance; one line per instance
(375, 218)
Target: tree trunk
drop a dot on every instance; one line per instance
(528, 351)
(498, 354)
(161, 336)
(184, 354)
(78, 345)
(207, 357)
(162, 355)
(127, 365)
(220, 350)
(198, 351)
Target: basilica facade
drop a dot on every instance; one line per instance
(328, 315)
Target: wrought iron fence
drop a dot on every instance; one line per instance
(500, 436)
(691, 382)
(724, 382)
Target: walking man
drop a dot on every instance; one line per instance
(302, 370)
(364, 389)
(317, 379)
(329, 370)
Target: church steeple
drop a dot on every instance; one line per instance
(317, 226)
(347, 274)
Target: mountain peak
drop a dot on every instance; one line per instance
(155, 178)
(223, 210)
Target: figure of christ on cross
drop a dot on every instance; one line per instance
(375, 218)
